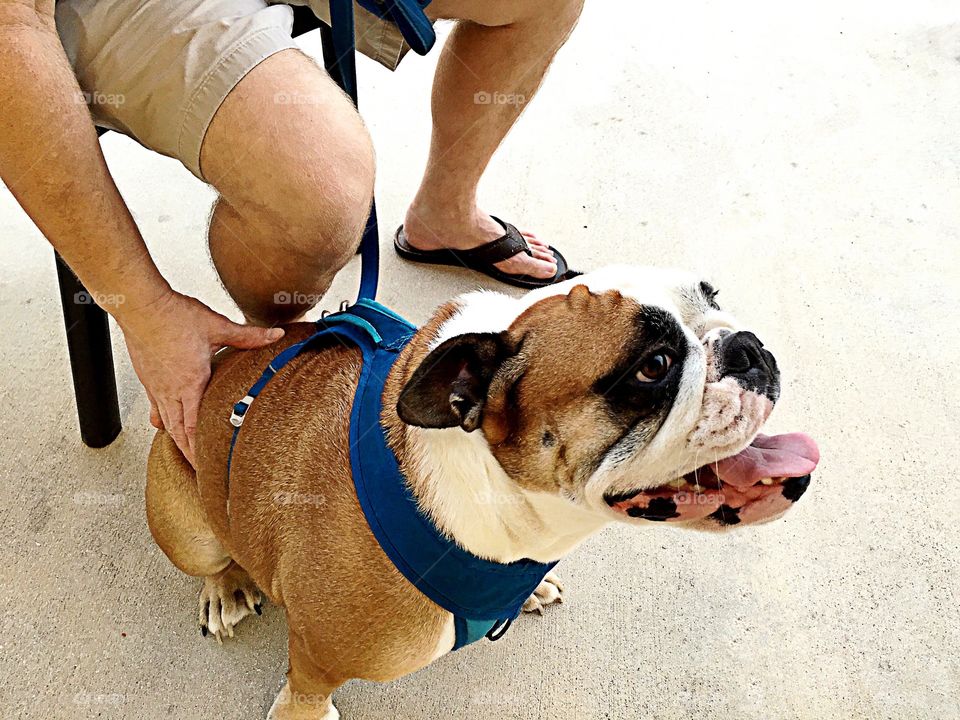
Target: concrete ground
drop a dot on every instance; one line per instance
(805, 158)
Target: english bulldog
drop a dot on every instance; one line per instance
(521, 425)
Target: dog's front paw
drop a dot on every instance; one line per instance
(225, 599)
(548, 592)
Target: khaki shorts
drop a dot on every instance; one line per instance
(157, 70)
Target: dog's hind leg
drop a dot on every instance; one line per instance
(307, 693)
(175, 512)
(179, 526)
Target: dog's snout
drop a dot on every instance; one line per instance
(742, 352)
(744, 358)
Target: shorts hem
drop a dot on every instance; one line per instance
(219, 81)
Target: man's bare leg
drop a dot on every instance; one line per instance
(500, 50)
(294, 167)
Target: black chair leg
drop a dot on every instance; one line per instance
(91, 361)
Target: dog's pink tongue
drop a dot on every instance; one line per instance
(773, 456)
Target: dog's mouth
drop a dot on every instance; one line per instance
(757, 484)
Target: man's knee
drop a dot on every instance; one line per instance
(289, 154)
(324, 207)
(299, 233)
(317, 209)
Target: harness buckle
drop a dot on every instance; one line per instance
(240, 411)
(324, 314)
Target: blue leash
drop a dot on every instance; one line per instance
(483, 596)
(342, 29)
(417, 30)
(345, 74)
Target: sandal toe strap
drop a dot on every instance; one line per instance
(504, 247)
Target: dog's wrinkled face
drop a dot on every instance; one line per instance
(620, 390)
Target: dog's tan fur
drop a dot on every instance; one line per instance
(294, 523)
(579, 430)
(293, 526)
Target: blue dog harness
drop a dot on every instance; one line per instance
(483, 596)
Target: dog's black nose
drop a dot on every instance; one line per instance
(754, 367)
(742, 352)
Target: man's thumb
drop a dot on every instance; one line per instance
(248, 337)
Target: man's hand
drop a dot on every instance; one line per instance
(50, 160)
(171, 342)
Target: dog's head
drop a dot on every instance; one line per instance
(626, 391)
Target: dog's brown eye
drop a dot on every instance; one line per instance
(654, 367)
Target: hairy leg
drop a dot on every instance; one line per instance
(492, 65)
(294, 167)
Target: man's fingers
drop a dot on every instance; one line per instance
(164, 419)
(191, 408)
(246, 337)
(172, 414)
(155, 418)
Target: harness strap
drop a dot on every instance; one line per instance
(335, 324)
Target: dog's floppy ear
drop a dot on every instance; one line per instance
(450, 387)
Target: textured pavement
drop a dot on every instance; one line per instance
(805, 159)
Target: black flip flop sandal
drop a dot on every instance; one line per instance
(481, 259)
